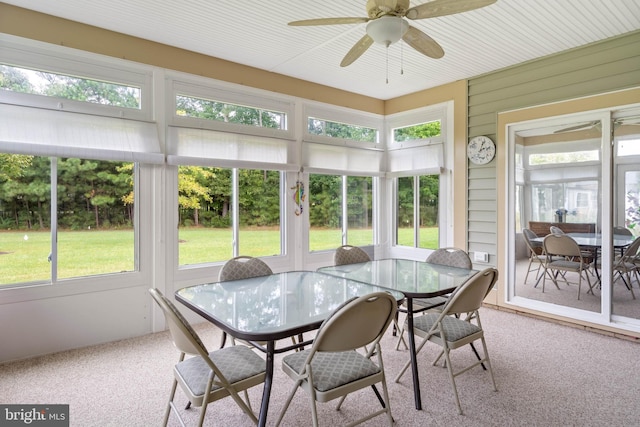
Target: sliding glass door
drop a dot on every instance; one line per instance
(626, 148)
(579, 174)
(559, 185)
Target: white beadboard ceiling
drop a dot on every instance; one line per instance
(256, 33)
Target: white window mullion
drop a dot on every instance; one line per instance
(235, 212)
(416, 211)
(345, 218)
(53, 256)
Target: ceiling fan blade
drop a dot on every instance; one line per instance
(581, 126)
(423, 43)
(328, 21)
(628, 121)
(436, 8)
(357, 50)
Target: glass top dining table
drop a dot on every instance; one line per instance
(415, 279)
(270, 308)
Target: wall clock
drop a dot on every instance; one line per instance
(481, 150)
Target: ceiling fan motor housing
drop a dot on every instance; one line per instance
(378, 8)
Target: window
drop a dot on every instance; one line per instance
(209, 231)
(628, 147)
(188, 106)
(23, 80)
(332, 129)
(74, 136)
(325, 212)
(417, 132)
(259, 212)
(557, 158)
(579, 199)
(332, 198)
(416, 161)
(65, 218)
(417, 222)
(359, 210)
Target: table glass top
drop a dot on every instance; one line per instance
(591, 239)
(273, 304)
(595, 239)
(413, 278)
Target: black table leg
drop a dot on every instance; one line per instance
(595, 263)
(268, 380)
(412, 349)
(223, 340)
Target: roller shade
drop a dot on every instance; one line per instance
(420, 160)
(564, 173)
(42, 132)
(203, 147)
(337, 159)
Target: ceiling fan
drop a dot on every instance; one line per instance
(386, 24)
(581, 126)
(627, 121)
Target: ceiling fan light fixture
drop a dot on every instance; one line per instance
(387, 29)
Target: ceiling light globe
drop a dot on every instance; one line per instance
(387, 29)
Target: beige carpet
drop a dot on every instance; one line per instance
(547, 375)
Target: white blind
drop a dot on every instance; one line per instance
(427, 159)
(565, 172)
(42, 132)
(326, 158)
(203, 147)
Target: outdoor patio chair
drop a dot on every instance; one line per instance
(452, 257)
(626, 267)
(242, 267)
(333, 367)
(207, 377)
(449, 331)
(572, 260)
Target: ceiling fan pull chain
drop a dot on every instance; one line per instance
(387, 58)
(402, 58)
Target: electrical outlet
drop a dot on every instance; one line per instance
(481, 256)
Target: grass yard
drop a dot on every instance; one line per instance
(24, 255)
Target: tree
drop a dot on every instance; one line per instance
(421, 131)
(191, 191)
(13, 79)
(259, 197)
(13, 165)
(325, 201)
(92, 91)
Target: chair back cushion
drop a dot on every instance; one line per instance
(561, 245)
(360, 322)
(244, 267)
(469, 296)
(452, 257)
(622, 231)
(556, 230)
(184, 337)
(529, 235)
(348, 254)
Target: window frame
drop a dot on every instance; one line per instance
(185, 85)
(345, 116)
(406, 153)
(234, 213)
(60, 60)
(344, 213)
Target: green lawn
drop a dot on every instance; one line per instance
(24, 254)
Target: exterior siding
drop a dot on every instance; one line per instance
(602, 67)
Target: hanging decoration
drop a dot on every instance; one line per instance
(298, 196)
